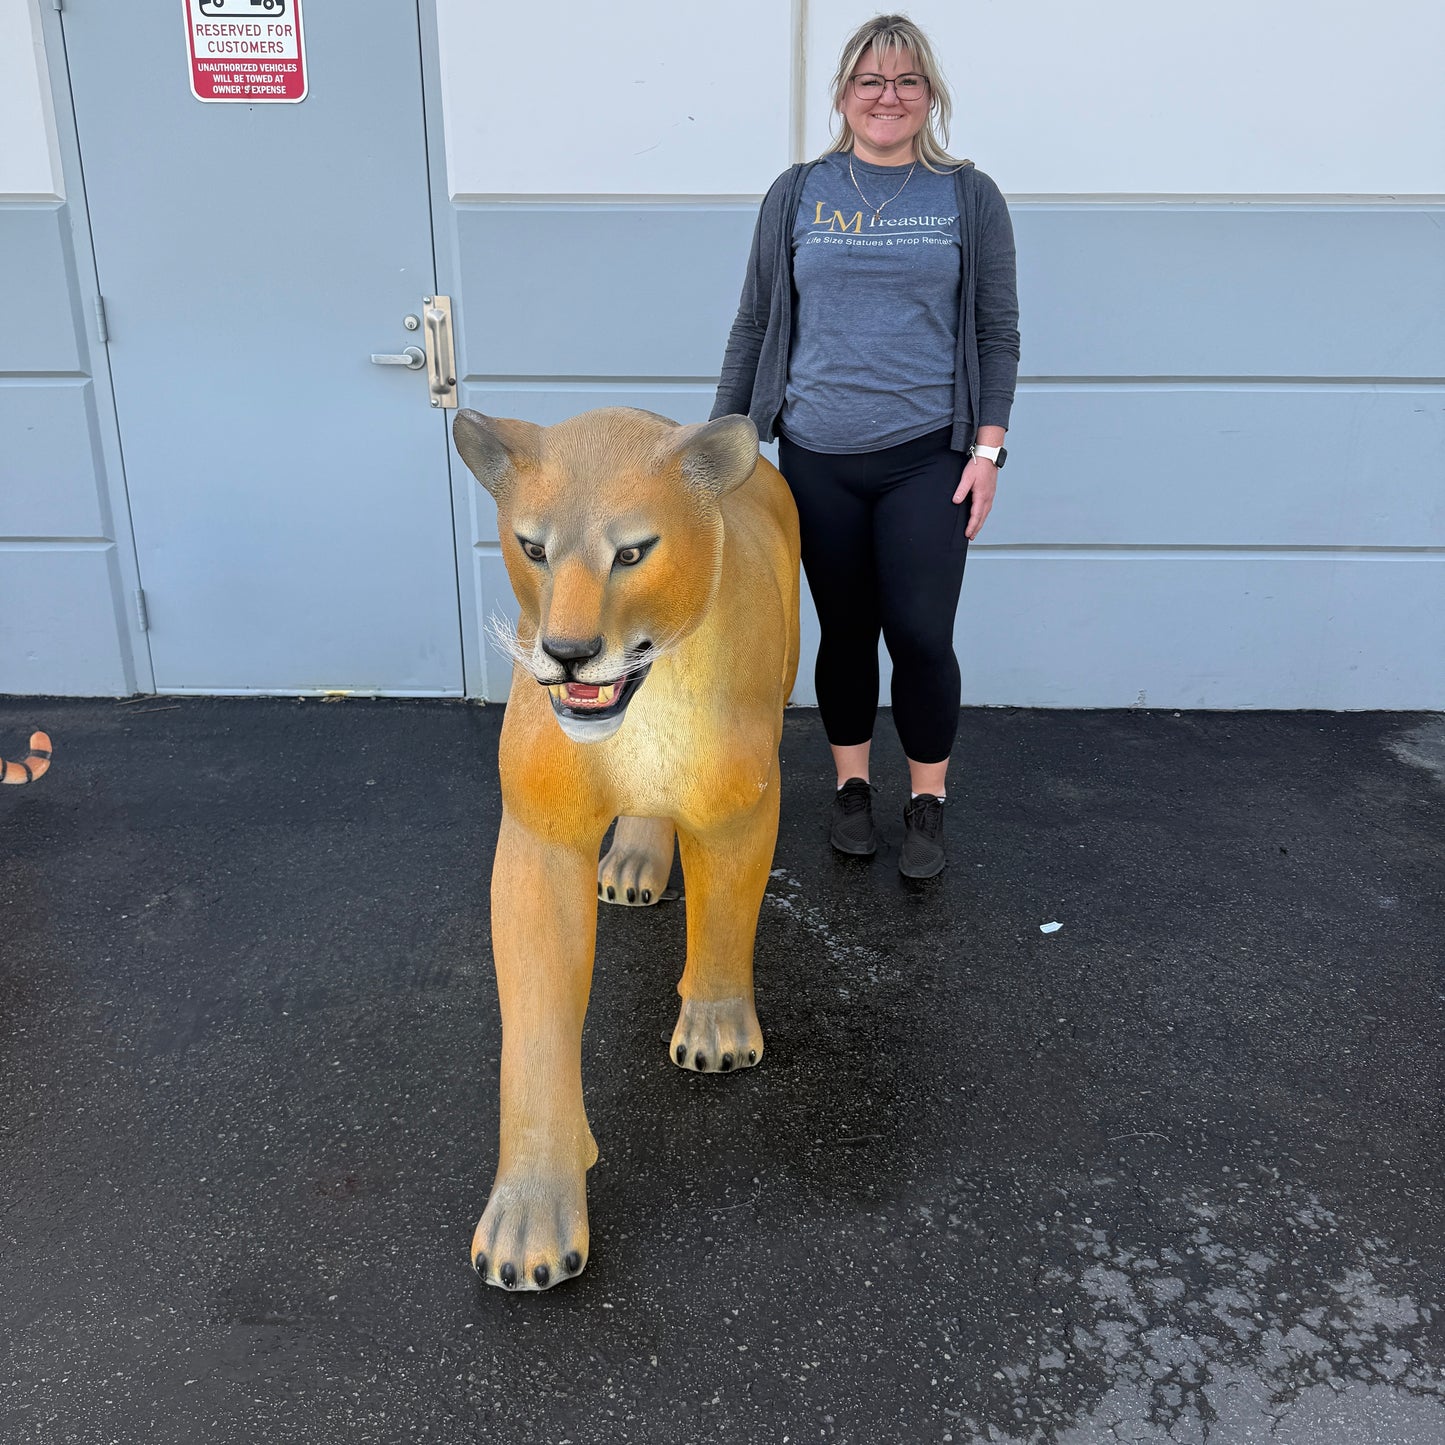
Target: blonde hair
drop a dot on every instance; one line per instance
(890, 36)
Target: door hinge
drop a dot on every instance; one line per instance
(142, 613)
(59, 4)
(102, 331)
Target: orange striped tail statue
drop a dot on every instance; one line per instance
(33, 765)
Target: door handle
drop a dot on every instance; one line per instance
(441, 350)
(413, 358)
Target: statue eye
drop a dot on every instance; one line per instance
(631, 556)
(535, 550)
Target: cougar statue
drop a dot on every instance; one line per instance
(656, 568)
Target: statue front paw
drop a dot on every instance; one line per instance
(533, 1233)
(716, 1037)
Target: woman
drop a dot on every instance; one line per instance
(877, 338)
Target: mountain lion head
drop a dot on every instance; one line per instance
(612, 536)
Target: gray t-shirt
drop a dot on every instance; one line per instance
(877, 310)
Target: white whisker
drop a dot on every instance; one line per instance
(502, 633)
(634, 657)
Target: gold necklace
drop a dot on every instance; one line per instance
(878, 210)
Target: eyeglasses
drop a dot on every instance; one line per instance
(905, 87)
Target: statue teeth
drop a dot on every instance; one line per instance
(606, 694)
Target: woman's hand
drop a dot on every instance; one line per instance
(980, 481)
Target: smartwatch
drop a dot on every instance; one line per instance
(997, 455)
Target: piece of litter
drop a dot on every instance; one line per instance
(1050, 927)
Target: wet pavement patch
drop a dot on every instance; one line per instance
(1171, 1173)
(1423, 745)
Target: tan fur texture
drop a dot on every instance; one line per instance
(667, 551)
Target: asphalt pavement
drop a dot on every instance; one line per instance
(1171, 1172)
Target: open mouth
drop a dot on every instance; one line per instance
(596, 700)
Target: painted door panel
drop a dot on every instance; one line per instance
(291, 501)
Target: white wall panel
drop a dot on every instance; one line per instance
(29, 158)
(1229, 289)
(1221, 630)
(51, 470)
(38, 329)
(623, 290)
(638, 97)
(1237, 97)
(60, 620)
(1246, 466)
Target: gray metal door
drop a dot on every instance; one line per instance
(291, 501)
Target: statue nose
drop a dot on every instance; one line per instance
(571, 649)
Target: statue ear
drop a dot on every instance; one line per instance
(494, 448)
(714, 457)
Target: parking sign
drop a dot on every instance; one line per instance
(249, 51)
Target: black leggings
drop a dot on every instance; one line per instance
(883, 550)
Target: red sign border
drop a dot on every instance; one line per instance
(249, 99)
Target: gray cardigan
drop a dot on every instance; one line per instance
(755, 365)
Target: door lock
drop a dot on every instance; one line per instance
(413, 358)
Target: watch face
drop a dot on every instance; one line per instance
(1002, 455)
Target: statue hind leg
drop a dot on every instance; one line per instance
(635, 868)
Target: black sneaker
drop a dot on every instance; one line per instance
(852, 831)
(922, 852)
